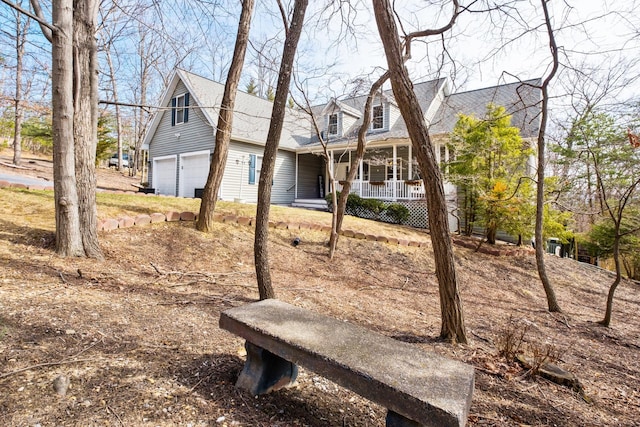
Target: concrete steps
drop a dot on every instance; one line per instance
(317, 204)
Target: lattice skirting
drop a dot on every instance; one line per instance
(418, 216)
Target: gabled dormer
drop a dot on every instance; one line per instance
(338, 117)
(384, 113)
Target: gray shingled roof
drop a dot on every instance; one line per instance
(425, 91)
(521, 99)
(251, 114)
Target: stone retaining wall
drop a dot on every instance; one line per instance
(141, 220)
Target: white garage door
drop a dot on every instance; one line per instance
(194, 170)
(164, 176)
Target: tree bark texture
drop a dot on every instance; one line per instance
(552, 301)
(355, 161)
(225, 122)
(68, 238)
(261, 250)
(453, 328)
(85, 121)
(612, 289)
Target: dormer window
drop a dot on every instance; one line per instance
(377, 120)
(332, 128)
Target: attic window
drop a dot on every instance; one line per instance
(377, 121)
(180, 109)
(332, 129)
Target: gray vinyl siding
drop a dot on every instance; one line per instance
(309, 167)
(284, 179)
(393, 113)
(195, 135)
(347, 122)
(235, 183)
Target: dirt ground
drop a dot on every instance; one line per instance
(137, 334)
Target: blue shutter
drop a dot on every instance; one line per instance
(252, 168)
(186, 107)
(173, 111)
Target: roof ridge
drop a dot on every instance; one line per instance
(521, 82)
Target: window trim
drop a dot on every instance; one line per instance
(329, 124)
(378, 118)
(254, 171)
(180, 110)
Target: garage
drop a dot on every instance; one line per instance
(194, 171)
(164, 175)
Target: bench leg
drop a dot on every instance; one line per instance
(264, 371)
(396, 420)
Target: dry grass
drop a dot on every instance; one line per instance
(141, 346)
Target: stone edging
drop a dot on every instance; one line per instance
(127, 221)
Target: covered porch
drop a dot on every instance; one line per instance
(388, 173)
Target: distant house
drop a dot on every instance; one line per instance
(181, 140)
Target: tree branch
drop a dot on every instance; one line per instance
(47, 28)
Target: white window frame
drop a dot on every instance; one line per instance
(179, 109)
(377, 120)
(258, 168)
(330, 125)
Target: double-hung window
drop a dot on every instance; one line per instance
(332, 127)
(377, 119)
(180, 109)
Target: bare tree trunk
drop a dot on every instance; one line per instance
(68, 237)
(261, 250)
(552, 301)
(453, 328)
(21, 39)
(612, 289)
(355, 161)
(85, 121)
(225, 122)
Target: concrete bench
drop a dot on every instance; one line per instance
(418, 388)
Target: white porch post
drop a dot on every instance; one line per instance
(295, 195)
(360, 176)
(410, 162)
(332, 169)
(395, 171)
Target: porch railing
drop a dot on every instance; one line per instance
(392, 190)
(386, 190)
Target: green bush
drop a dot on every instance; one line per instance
(357, 206)
(398, 213)
(374, 206)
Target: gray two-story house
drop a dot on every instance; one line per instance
(181, 139)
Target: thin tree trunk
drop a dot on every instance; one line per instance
(453, 328)
(612, 289)
(225, 122)
(552, 301)
(21, 39)
(85, 92)
(68, 237)
(261, 250)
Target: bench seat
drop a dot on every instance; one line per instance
(418, 388)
